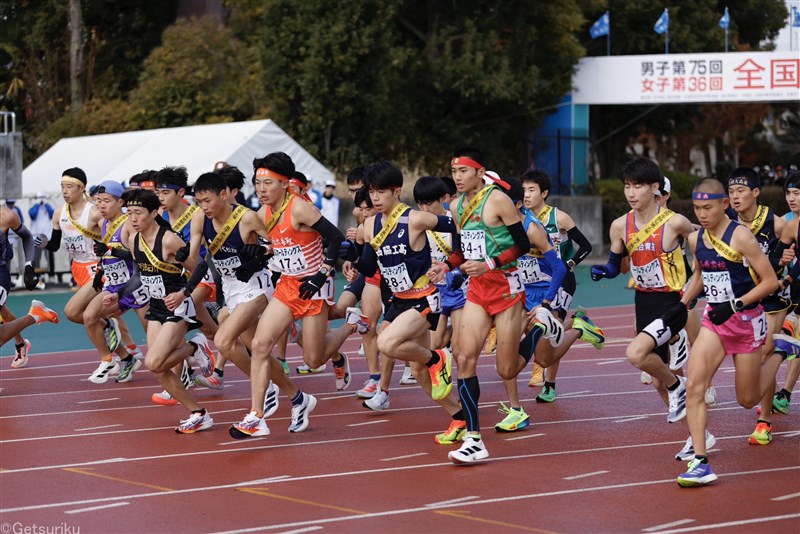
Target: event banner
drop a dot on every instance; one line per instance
(676, 78)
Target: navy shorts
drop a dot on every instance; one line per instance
(452, 299)
(356, 287)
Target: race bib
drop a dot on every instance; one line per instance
(438, 255)
(226, 268)
(649, 276)
(289, 260)
(141, 295)
(562, 300)
(3, 296)
(117, 273)
(760, 328)
(185, 309)
(515, 284)
(397, 278)
(75, 244)
(326, 291)
(530, 270)
(717, 286)
(155, 286)
(473, 244)
(435, 302)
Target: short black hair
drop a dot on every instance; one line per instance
(76, 173)
(429, 189)
(449, 185)
(361, 196)
(279, 162)
(233, 177)
(142, 197)
(176, 176)
(210, 181)
(515, 191)
(299, 176)
(748, 173)
(792, 180)
(383, 175)
(144, 176)
(642, 171)
(538, 177)
(471, 153)
(356, 175)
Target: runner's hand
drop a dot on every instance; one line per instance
(97, 283)
(719, 313)
(598, 272)
(40, 241)
(676, 316)
(99, 248)
(29, 277)
(311, 285)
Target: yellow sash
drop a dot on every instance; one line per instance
(544, 214)
(83, 231)
(657, 222)
(277, 215)
(110, 231)
(724, 250)
(390, 223)
(158, 264)
(184, 219)
(440, 242)
(473, 205)
(233, 219)
(760, 219)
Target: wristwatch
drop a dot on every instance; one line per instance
(738, 305)
(324, 270)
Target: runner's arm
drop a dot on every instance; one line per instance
(584, 247)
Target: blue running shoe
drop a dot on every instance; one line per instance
(787, 345)
(699, 474)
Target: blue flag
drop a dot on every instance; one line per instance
(725, 21)
(601, 26)
(795, 17)
(662, 24)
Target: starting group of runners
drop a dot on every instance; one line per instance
(490, 257)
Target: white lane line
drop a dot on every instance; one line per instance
(585, 475)
(370, 422)
(573, 393)
(526, 436)
(301, 530)
(97, 427)
(98, 400)
(451, 501)
(609, 362)
(266, 480)
(629, 419)
(732, 523)
(403, 457)
(786, 497)
(93, 508)
(668, 525)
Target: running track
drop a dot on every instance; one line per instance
(599, 459)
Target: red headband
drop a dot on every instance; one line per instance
(297, 183)
(271, 174)
(464, 160)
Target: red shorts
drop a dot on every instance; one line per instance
(374, 280)
(83, 273)
(288, 292)
(743, 333)
(496, 291)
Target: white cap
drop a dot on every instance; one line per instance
(330, 183)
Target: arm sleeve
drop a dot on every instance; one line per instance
(584, 247)
(776, 254)
(27, 242)
(121, 253)
(332, 235)
(197, 275)
(614, 264)
(521, 244)
(445, 224)
(54, 243)
(559, 272)
(368, 262)
(133, 284)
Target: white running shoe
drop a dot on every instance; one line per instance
(711, 396)
(471, 451)
(378, 402)
(195, 423)
(361, 350)
(687, 452)
(553, 329)
(342, 374)
(251, 426)
(212, 382)
(646, 378)
(203, 356)
(271, 400)
(408, 377)
(103, 372)
(301, 412)
(21, 354)
(679, 351)
(354, 316)
(677, 401)
(371, 387)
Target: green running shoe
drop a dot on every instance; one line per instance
(514, 420)
(780, 404)
(590, 332)
(548, 394)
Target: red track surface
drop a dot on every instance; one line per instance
(601, 458)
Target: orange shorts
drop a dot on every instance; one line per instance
(83, 273)
(211, 286)
(374, 280)
(288, 292)
(496, 291)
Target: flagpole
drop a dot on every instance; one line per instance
(726, 40)
(666, 42)
(608, 42)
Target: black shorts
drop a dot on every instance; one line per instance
(356, 287)
(775, 303)
(424, 306)
(158, 312)
(650, 306)
(5, 278)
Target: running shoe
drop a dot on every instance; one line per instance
(212, 382)
(371, 386)
(455, 432)
(590, 332)
(251, 426)
(698, 474)
(780, 403)
(285, 365)
(196, 422)
(126, 370)
(491, 341)
(790, 326)
(645, 378)
(679, 351)
(687, 452)
(408, 378)
(441, 375)
(294, 332)
(762, 435)
(112, 334)
(21, 355)
(361, 350)
(342, 373)
(306, 370)
(548, 394)
(553, 329)
(677, 401)
(789, 346)
(514, 419)
(163, 398)
(710, 396)
(471, 451)
(203, 356)
(42, 313)
(537, 376)
(186, 378)
(301, 412)
(103, 372)
(135, 351)
(378, 403)
(271, 400)
(354, 317)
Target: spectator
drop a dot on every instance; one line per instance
(329, 204)
(41, 214)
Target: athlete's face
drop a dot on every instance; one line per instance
(141, 218)
(384, 199)
(270, 190)
(71, 192)
(364, 211)
(533, 198)
(169, 198)
(467, 178)
(110, 206)
(640, 196)
(211, 202)
(295, 189)
(710, 212)
(742, 197)
(436, 207)
(793, 199)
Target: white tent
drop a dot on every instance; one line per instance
(121, 155)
